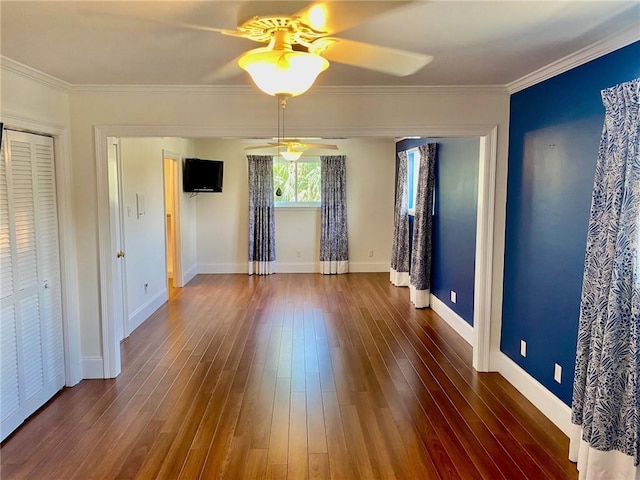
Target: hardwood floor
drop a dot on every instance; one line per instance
(290, 376)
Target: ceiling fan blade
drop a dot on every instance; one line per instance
(333, 17)
(323, 146)
(373, 57)
(257, 147)
(89, 11)
(228, 70)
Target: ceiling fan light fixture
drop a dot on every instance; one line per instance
(291, 155)
(283, 73)
(279, 70)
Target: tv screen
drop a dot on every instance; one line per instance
(202, 175)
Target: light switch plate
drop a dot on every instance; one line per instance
(557, 373)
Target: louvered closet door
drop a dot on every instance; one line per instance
(30, 293)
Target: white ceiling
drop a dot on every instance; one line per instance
(146, 42)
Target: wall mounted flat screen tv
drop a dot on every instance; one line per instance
(202, 175)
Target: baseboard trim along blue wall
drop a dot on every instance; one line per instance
(554, 133)
(455, 219)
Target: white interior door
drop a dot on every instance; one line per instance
(32, 353)
(118, 258)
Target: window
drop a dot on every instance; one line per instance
(413, 171)
(297, 184)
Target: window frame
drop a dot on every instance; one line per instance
(413, 173)
(296, 204)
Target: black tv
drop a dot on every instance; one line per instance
(202, 175)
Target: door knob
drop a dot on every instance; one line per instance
(120, 254)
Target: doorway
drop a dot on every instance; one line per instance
(172, 215)
(484, 246)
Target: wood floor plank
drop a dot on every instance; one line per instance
(319, 466)
(279, 439)
(297, 458)
(290, 376)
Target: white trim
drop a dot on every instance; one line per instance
(419, 298)
(399, 279)
(291, 267)
(575, 59)
(147, 309)
(545, 401)
(298, 206)
(367, 267)
(262, 267)
(486, 200)
(106, 248)
(49, 80)
(596, 464)
(454, 320)
(67, 240)
(189, 275)
(334, 267)
(243, 90)
(299, 267)
(207, 268)
(485, 218)
(92, 367)
(34, 74)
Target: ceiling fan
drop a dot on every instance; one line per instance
(294, 147)
(305, 41)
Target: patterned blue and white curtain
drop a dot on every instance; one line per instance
(399, 273)
(334, 245)
(606, 400)
(262, 233)
(421, 252)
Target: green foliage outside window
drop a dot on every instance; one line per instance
(296, 181)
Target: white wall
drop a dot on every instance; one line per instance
(144, 235)
(222, 217)
(350, 113)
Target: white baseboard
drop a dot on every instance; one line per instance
(298, 267)
(223, 267)
(92, 368)
(454, 320)
(365, 267)
(147, 309)
(189, 275)
(545, 401)
(291, 267)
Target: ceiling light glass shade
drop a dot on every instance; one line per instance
(290, 155)
(283, 72)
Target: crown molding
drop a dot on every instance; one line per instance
(164, 89)
(318, 90)
(29, 72)
(596, 50)
(410, 90)
(603, 47)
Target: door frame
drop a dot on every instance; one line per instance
(175, 192)
(66, 239)
(483, 281)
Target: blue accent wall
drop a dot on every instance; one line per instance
(454, 226)
(554, 133)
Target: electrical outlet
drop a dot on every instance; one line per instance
(371, 253)
(523, 348)
(298, 254)
(454, 296)
(557, 373)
